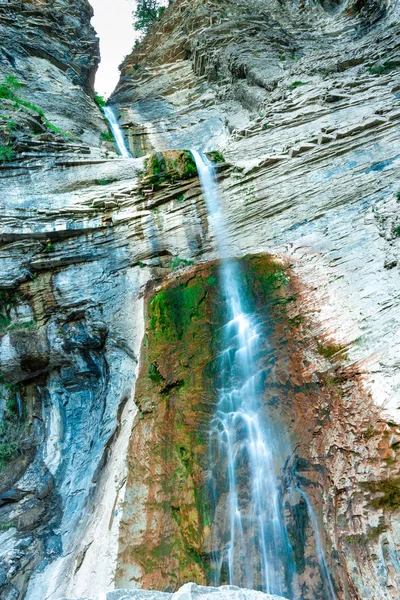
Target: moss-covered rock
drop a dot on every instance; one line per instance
(169, 166)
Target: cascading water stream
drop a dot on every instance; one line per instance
(116, 131)
(246, 451)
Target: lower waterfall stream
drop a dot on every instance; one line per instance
(246, 451)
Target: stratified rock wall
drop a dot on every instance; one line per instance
(51, 50)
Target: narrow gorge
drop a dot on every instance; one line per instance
(200, 304)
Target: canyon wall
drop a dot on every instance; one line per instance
(302, 101)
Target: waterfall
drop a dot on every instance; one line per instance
(116, 131)
(251, 546)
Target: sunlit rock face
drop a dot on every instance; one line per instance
(303, 102)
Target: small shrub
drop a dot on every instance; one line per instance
(6, 153)
(180, 198)
(147, 12)
(382, 69)
(190, 166)
(397, 231)
(105, 181)
(155, 374)
(12, 429)
(100, 101)
(389, 493)
(8, 87)
(178, 263)
(107, 136)
(331, 350)
(216, 157)
(296, 84)
(7, 526)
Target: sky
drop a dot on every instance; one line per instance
(114, 25)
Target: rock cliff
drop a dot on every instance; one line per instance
(302, 102)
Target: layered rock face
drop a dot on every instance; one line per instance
(49, 54)
(303, 102)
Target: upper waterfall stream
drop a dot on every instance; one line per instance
(116, 131)
(251, 544)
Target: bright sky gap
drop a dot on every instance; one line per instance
(113, 22)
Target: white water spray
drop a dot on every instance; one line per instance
(116, 131)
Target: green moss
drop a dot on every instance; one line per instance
(397, 231)
(331, 350)
(6, 153)
(389, 493)
(296, 84)
(105, 181)
(172, 311)
(383, 68)
(169, 167)
(216, 156)
(155, 374)
(190, 165)
(373, 533)
(12, 429)
(8, 90)
(107, 136)
(178, 263)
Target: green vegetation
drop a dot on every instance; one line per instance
(6, 153)
(389, 493)
(100, 101)
(373, 533)
(296, 84)
(155, 374)
(49, 247)
(105, 181)
(177, 263)
(8, 91)
(7, 526)
(382, 69)
(8, 87)
(216, 157)
(107, 136)
(172, 311)
(180, 198)
(147, 12)
(169, 167)
(12, 429)
(397, 231)
(331, 350)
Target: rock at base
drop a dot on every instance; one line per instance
(189, 591)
